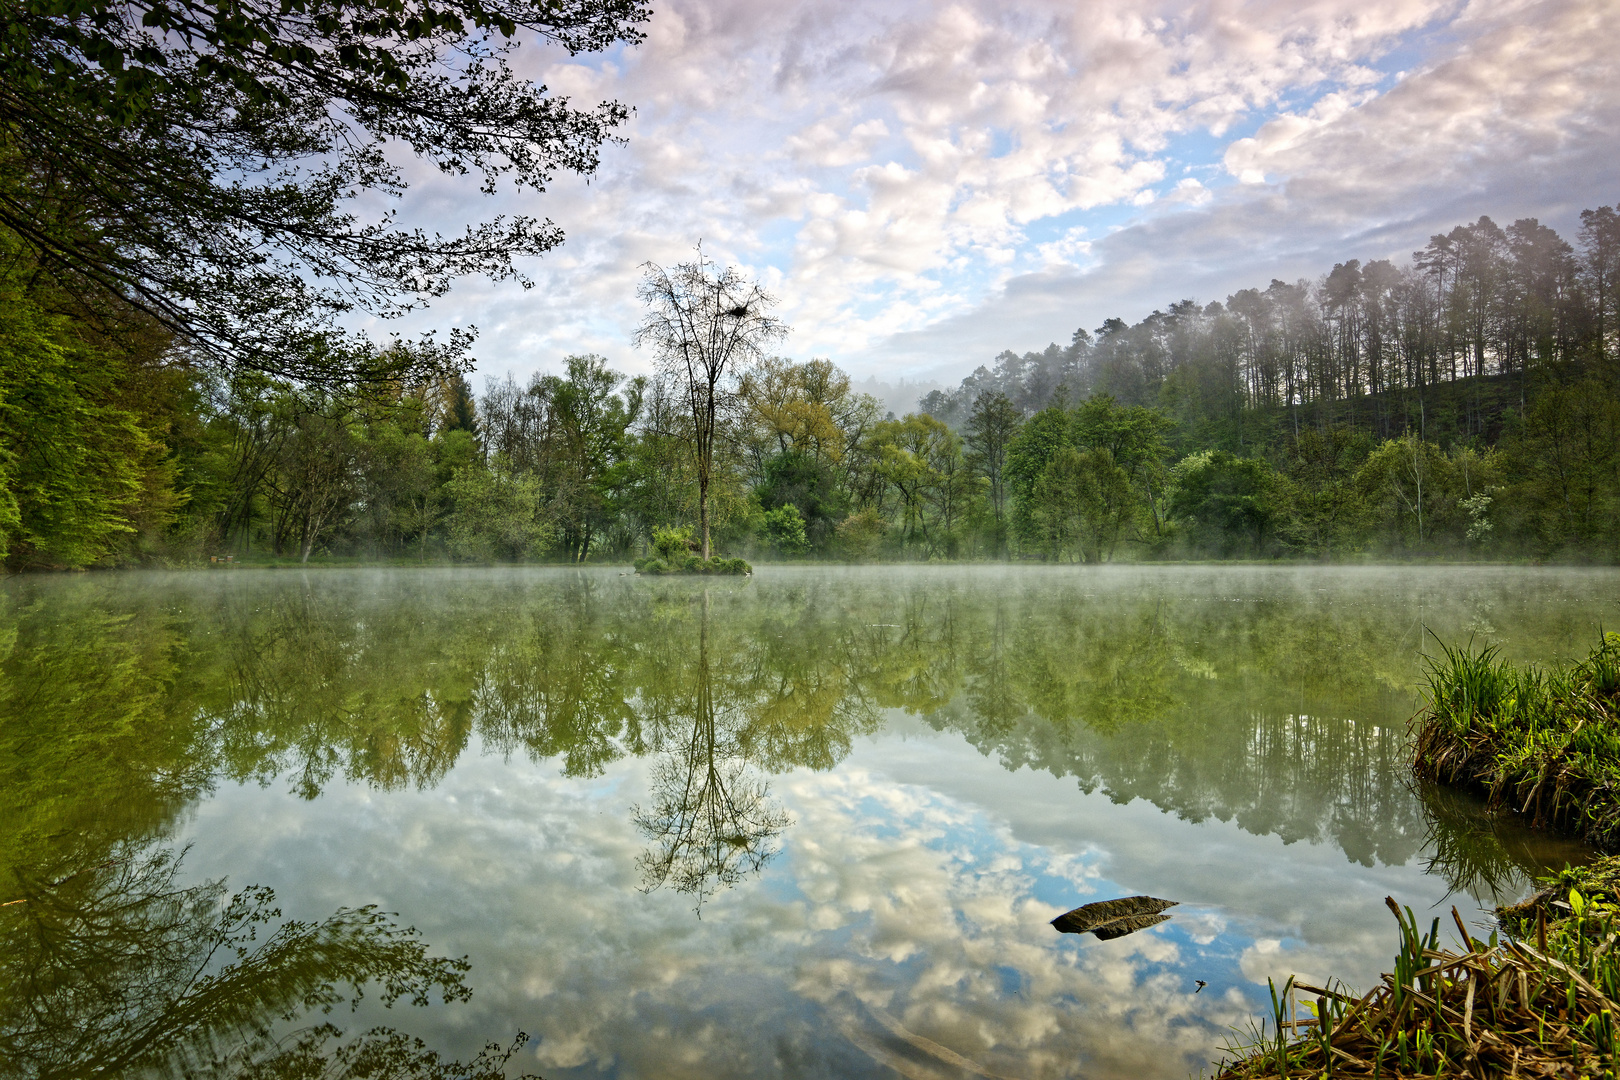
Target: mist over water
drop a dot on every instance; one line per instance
(809, 824)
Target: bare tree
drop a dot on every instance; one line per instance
(705, 323)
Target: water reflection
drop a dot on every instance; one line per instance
(1272, 701)
(1272, 706)
(711, 819)
(118, 970)
(1490, 855)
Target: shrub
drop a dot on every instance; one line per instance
(687, 563)
(783, 529)
(672, 541)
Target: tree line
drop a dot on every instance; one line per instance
(1465, 404)
(189, 211)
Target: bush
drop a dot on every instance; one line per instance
(860, 536)
(672, 542)
(783, 529)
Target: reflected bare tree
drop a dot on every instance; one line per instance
(712, 822)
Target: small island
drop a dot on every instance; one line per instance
(674, 554)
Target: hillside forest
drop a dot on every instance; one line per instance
(1465, 404)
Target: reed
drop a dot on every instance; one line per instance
(1544, 743)
(1497, 1007)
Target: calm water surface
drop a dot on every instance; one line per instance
(810, 824)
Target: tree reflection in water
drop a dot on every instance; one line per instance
(1491, 856)
(1275, 700)
(711, 821)
(117, 970)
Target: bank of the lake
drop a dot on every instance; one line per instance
(1543, 744)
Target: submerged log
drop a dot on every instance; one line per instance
(1109, 919)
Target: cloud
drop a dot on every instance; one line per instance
(904, 925)
(912, 178)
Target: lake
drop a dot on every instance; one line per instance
(813, 823)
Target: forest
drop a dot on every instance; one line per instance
(1465, 404)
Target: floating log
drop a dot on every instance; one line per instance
(1109, 919)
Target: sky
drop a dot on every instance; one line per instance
(923, 185)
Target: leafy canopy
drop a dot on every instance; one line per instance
(200, 161)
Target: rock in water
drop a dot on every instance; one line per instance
(1130, 924)
(1109, 919)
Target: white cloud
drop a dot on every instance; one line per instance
(887, 166)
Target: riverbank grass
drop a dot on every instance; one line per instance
(1538, 1005)
(1544, 743)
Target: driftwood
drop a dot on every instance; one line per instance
(1109, 919)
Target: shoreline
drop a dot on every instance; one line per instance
(1539, 996)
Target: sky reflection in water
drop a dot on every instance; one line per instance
(875, 786)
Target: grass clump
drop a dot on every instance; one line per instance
(1497, 1007)
(1544, 743)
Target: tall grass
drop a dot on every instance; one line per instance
(1489, 1008)
(1542, 742)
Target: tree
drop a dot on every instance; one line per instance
(201, 163)
(1326, 512)
(1411, 478)
(921, 460)
(991, 426)
(584, 430)
(1226, 499)
(499, 514)
(784, 530)
(1600, 245)
(704, 323)
(1084, 498)
(1568, 454)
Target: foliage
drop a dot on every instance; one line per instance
(1541, 741)
(783, 529)
(1378, 412)
(1229, 504)
(499, 514)
(129, 130)
(1489, 1007)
